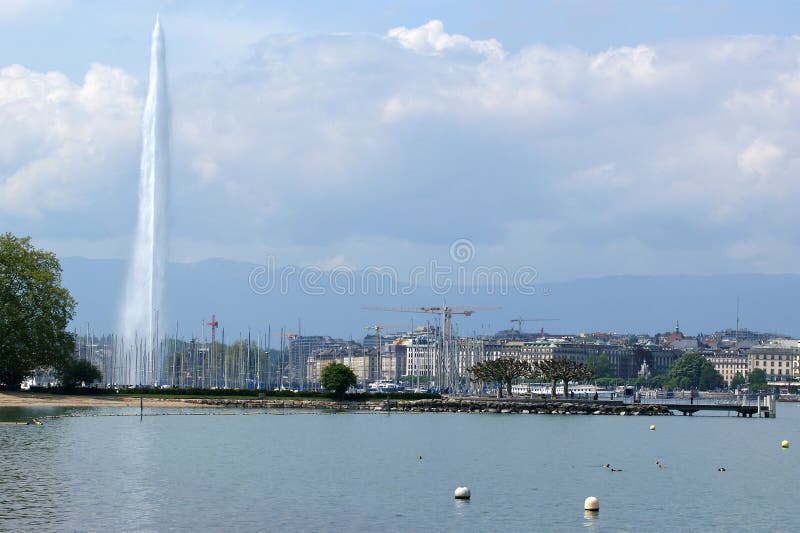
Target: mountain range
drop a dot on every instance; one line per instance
(623, 304)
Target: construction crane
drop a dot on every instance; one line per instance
(446, 363)
(377, 328)
(213, 378)
(520, 320)
(446, 311)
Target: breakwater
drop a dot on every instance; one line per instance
(447, 405)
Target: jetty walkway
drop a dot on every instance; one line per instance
(745, 405)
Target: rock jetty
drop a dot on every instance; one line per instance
(450, 405)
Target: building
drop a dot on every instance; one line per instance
(429, 362)
(728, 363)
(779, 358)
(308, 355)
(624, 361)
(434, 363)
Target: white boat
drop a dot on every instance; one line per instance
(385, 385)
(536, 390)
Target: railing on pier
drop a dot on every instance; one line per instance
(691, 402)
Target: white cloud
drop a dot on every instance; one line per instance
(602, 177)
(60, 140)
(626, 63)
(760, 157)
(343, 146)
(13, 9)
(430, 38)
(344, 138)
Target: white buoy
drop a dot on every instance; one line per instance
(652, 427)
(591, 504)
(785, 444)
(462, 493)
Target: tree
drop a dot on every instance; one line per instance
(567, 370)
(338, 378)
(599, 365)
(693, 371)
(503, 371)
(656, 382)
(564, 370)
(548, 369)
(73, 372)
(737, 380)
(34, 310)
(757, 380)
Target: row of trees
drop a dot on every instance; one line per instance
(505, 370)
(690, 371)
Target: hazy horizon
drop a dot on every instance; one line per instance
(622, 304)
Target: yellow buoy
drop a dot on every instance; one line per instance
(785, 444)
(652, 427)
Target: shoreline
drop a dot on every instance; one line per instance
(445, 405)
(33, 399)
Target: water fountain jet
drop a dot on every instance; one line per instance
(145, 282)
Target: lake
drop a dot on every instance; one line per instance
(229, 470)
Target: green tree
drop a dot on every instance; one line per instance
(693, 371)
(656, 382)
(757, 380)
(72, 372)
(599, 365)
(34, 311)
(338, 378)
(503, 371)
(737, 380)
(548, 369)
(563, 370)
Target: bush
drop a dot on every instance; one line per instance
(74, 372)
(338, 378)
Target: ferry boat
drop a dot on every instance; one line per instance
(385, 385)
(536, 390)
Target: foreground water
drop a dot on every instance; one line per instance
(346, 472)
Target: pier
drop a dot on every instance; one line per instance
(761, 405)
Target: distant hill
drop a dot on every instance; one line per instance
(645, 304)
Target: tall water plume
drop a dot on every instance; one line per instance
(145, 283)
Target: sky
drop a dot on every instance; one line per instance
(582, 139)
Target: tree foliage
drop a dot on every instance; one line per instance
(337, 378)
(737, 380)
(757, 380)
(599, 365)
(34, 310)
(564, 370)
(74, 372)
(503, 371)
(548, 370)
(693, 371)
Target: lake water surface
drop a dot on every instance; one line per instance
(305, 471)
